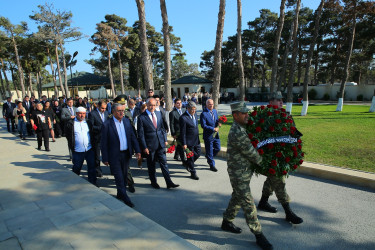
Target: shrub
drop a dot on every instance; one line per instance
(326, 97)
(360, 98)
(312, 94)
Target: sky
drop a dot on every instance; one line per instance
(194, 21)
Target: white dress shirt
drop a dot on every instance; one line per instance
(81, 136)
(121, 134)
(149, 115)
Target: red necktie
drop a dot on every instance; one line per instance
(154, 120)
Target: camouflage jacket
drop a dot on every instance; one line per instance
(240, 152)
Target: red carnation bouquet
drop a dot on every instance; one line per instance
(222, 119)
(189, 153)
(172, 147)
(273, 133)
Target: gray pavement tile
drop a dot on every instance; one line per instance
(3, 227)
(56, 209)
(17, 211)
(28, 219)
(11, 243)
(78, 215)
(31, 231)
(176, 243)
(135, 218)
(87, 198)
(113, 203)
(45, 242)
(5, 235)
(56, 199)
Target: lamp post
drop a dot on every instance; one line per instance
(70, 66)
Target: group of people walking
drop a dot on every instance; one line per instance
(112, 136)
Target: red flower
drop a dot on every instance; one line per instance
(282, 144)
(272, 129)
(295, 166)
(282, 110)
(277, 112)
(254, 113)
(275, 107)
(223, 119)
(287, 159)
(302, 154)
(261, 120)
(299, 146)
(269, 106)
(262, 107)
(260, 151)
(254, 144)
(299, 141)
(272, 171)
(284, 129)
(250, 136)
(250, 122)
(285, 172)
(283, 115)
(269, 113)
(278, 154)
(270, 146)
(292, 128)
(300, 162)
(295, 154)
(274, 163)
(294, 148)
(258, 129)
(278, 121)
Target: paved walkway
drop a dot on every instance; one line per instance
(45, 206)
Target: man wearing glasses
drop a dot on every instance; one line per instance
(150, 93)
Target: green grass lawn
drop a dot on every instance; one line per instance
(343, 139)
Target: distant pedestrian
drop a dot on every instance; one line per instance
(8, 108)
(21, 119)
(41, 124)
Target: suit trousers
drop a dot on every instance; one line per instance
(152, 158)
(45, 135)
(98, 170)
(212, 146)
(89, 156)
(190, 161)
(11, 120)
(119, 168)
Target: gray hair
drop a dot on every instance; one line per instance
(191, 105)
(116, 105)
(209, 99)
(149, 99)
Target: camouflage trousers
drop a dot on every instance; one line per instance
(242, 198)
(276, 184)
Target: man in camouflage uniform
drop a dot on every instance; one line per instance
(277, 184)
(240, 155)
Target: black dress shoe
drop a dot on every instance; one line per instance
(263, 242)
(155, 185)
(99, 174)
(212, 168)
(172, 185)
(131, 189)
(47, 149)
(194, 176)
(230, 227)
(39, 148)
(129, 203)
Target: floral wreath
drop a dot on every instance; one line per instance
(273, 133)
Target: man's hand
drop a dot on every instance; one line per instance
(4, 117)
(72, 117)
(106, 163)
(146, 151)
(219, 124)
(185, 146)
(138, 156)
(216, 129)
(166, 143)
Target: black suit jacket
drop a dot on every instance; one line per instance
(174, 123)
(149, 136)
(97, 123)
(8, 109)
(110, 142)
(189, 133)
(165, 123)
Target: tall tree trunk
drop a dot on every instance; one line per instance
(316, 64)
(299, 68)
(306, 79)
(285, 60)
(5, 77)
(65, 72)
(3, 93)
(20, 71)
(340, 102)
(14, 83)
(239, 51)
(121, 73)
(59, 70)
(252, 64)
(110, 73)
(146, 60)
(31, 84)
(217, 56)
(264, 73)
(39, 83)
(289, 98)
(167, 57)
(276, 47)
(53, 73)
(372, 107)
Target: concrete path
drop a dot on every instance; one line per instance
(336, 215)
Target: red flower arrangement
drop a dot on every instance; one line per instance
(273, 133)
(222, 119)
(189, 153)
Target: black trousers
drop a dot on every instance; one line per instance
(45, 135)
(11, 120)
(97, 157)
(158, 156)
(190, 161)
(57, 129)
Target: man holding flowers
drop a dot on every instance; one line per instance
(274, 182)
(241, 155)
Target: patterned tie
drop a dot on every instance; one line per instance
(194, 121)
(179, 111)
(212, 114)
(154, 120)
(71, 111)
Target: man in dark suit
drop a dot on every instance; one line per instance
(97, 118)
(204, 100)
(133, 109)
(153, 139)
(8, 108)
(118, 142)
(67, 114)
(27, 105)
(162, 111)
(174, 123)
(189, 137)
(210, 123)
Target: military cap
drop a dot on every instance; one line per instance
(120, 99)
(239, 106)
(275, 95)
